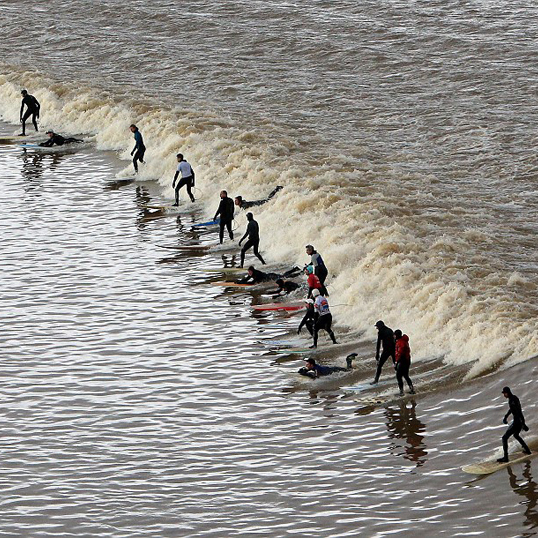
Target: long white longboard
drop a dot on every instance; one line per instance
(492, 465)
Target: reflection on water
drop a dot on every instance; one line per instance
(402, 423)
(528, 489)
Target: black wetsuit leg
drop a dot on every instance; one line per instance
(222, 225)
(321, 272)
(310, 326)
(255, 245)
(382, 360)
(402, 372)
(324, 322)
(27, 114)
(248, 245)
(72, 140)
(138, 156)
(185, 181)
(514, 429)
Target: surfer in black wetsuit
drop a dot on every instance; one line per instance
(139, 149)
(309, 319)
(518, 424)
(58, 140)
(285, 287)
(385, 336)
(226, 212)
(243, 204)
(254, 276)
(32, 109)
(253, 234)
(314, 370)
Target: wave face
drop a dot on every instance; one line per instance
(403, 136)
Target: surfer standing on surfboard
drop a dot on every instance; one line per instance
(187, 178)
(516, 426)
(32, 109)
(226, 212)
(139, 149)
(253, 241)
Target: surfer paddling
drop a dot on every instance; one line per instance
(518, 424)
(139, 149)
(32, 109)
(56, 139)
(187, 178)
(313, 370)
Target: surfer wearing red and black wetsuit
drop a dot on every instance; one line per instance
(402, 356)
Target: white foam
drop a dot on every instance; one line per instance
(394, 253)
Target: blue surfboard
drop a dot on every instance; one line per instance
(208, 223)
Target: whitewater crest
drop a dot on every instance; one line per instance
(394, 248)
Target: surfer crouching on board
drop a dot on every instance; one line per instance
(517, 425)
(56, 139)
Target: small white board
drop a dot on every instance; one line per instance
(492, 465)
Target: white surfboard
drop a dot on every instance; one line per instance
(492, 465)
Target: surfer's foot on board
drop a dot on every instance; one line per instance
(402, 393)
(21, 134)
(374, 382)
(527, 451)
(412, 391)
(175, 205)
(503, 460)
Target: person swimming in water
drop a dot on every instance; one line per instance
(243, 204)
(33, 108)
(139, 149)
(58, 140)
(518, 424)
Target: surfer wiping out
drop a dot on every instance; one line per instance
(517, 425)
(32, 109)
(187, 178)
(243, 204)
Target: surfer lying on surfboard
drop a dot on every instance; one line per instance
(516, 426)
(314, 370)
(58, 140)
(255, 276)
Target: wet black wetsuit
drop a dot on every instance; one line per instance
(226, 212)
(287, 287)
(253, 233)
(245, 205)
(385, 336)
(320, 371)
(138, 150)
(517, 425)
(309, 320)
(32, 109)
(257, 277)
(58, 140)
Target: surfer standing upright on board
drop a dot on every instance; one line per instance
(516, 426)
(139, 149)
(226, 212)
(32, 109)
(253, 241)
(187, 178)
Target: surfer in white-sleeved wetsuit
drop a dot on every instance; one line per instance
(517, 425)
(187, 178)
